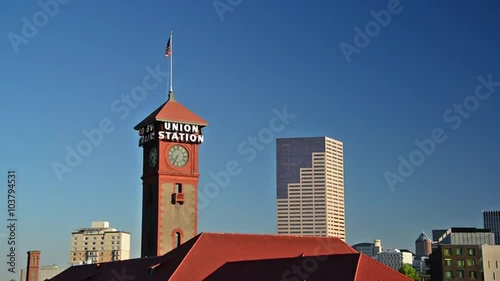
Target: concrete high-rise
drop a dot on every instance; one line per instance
(310, 187)
(491, 221)
(99, 243)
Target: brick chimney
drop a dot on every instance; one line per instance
(33, 266)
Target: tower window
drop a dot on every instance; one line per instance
(177, 239)
(178, 188)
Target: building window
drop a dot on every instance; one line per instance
(460, 263)
(447, 262)
(447, 252)
(460, 274)
(497, 263)
(473, 275)
(494, 276)
(178, 188)
(470, 262)
(472, 252)
(448, 275)
(458, 251)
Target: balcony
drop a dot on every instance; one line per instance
(90, 254)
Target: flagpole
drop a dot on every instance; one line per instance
(171, 65)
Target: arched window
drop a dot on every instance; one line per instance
(177, 239)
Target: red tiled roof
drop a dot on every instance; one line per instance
(340, 267)
(372, 270)
(209, 254)
(212, 250)
(172, 111)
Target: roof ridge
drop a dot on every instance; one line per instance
(274, 235)
(186, 255)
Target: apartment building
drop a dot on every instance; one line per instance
(99, 243)
(456, 262)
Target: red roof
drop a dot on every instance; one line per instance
(340, 267)
(172, 111)
(212, 250)
(209, 254)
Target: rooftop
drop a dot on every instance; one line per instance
(212, 254)
(423, 237)
(172, 111)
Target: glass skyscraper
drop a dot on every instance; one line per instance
(491, 221)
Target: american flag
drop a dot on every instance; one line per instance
(168, 49)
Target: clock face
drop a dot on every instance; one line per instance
(178, 156)
(153, 157)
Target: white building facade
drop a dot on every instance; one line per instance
(394, 258)
(491, 262)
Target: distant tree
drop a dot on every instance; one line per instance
(410, 272)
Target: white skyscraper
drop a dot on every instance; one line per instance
(310, 187)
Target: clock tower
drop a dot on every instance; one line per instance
(170, 137)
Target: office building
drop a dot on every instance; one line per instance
(420, 265)
(491, 262)
(423, 245)
(310, 187)
(369, 249)
(466, 236)
(491, 221)
(395, 258)
(456, 262)
(99, 243)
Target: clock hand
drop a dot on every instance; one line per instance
(177, 158)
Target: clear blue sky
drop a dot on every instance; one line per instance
(233, 72)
